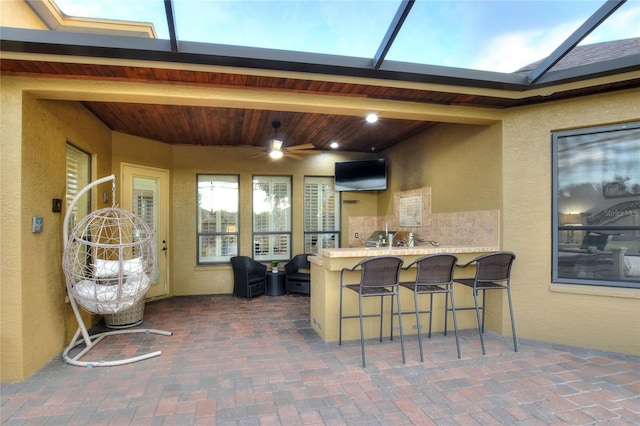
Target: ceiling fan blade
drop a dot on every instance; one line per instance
(291, 155)
(248, 146)
(262, 154)
(299, 147)
(305, 152)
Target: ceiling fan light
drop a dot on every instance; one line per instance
(276, 145)
(275, 154)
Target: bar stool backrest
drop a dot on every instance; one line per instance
(494, 266)
(380, 271)
(435, 269)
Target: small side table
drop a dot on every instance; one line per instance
(276, 283)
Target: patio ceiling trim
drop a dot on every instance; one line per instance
(141, 93)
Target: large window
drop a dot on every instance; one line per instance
(321, 214)
(596, 204)
(218, 225)
(271, 218)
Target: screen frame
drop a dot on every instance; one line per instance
(373, 175)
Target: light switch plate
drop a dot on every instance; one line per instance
(37, 224)
(56, 205)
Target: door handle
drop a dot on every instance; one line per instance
(164, 245)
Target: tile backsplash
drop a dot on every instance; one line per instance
(457, 228)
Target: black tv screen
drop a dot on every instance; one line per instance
(363, 175)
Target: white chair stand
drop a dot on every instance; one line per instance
(108, 261)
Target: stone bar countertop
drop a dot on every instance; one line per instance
(403, 251)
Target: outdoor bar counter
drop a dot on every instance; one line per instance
(325, 291)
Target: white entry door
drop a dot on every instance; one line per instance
(145, 192)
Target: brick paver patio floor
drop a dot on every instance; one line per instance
(239, 362)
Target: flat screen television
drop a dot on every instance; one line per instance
(362, 175)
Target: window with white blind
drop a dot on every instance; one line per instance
(78, 171)
(218, 219)
(271, 218)
(144, 197)
(321, 214)
(144, 204)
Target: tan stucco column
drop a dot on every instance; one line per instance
(11, 318)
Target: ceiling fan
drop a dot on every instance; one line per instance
(276, 151)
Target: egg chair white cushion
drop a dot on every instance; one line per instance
(111, 268)
(104, 299)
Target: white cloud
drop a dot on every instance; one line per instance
(511, 51)
(624, 23)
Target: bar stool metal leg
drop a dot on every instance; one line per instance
(340, 322)
(430, 313)
(397, 290)
(381, 317)
(480, 321)
(455, 320)
(446, 310)
(362, 330)
(513, 324)
(418, 325)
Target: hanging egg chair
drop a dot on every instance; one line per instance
(108, 261)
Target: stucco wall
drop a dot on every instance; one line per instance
(19, 14)
(461, 164)
(11, 313)
(607, 319)
(40, 323)
(139, 151)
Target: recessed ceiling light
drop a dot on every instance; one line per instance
(334, 145)
(372, 118)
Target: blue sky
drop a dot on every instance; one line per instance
(489, 35)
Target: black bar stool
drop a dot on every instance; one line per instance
(379, 276)
(434, 275)
(493, 272)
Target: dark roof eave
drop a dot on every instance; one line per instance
(621, 65)
(138, 48)
(118, 47)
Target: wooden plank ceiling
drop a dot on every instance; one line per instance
(174, 124)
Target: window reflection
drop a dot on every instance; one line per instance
(598, 206)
